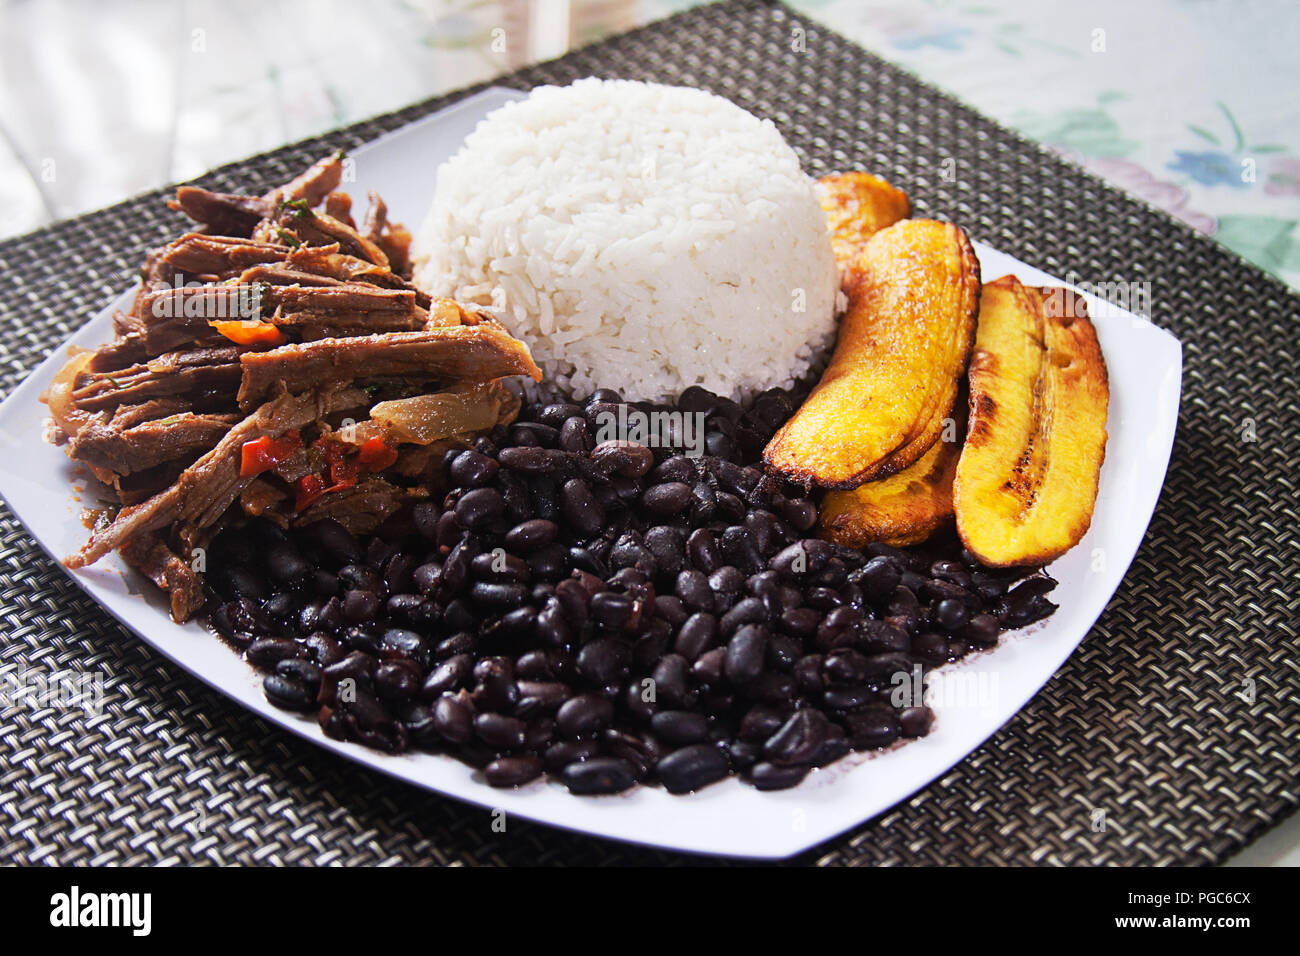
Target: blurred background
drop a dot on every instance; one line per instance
(1191, 105)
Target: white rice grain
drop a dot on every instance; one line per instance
(637, 236)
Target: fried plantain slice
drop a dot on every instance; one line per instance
(902, 509)
(1027, 477)
(859, 205)
(903, 344)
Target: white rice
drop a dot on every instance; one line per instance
(638, 237)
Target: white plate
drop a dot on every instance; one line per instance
(978, 695)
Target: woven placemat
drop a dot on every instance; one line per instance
(1147, 721)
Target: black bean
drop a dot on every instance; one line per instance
(782, 652)
(575, 436)
(666, 499)
(806, 557)
(848, 698)
(611, 609)
(845, 667)
(604, 660)
(951, 615)
(531, 535)
(668, 545)
(324, 650)
(799, 513)
(500, 732)
(635, 750)
(808, 674)
(916, 583)
(472, 469)
(532, 460)
(452, 674)
(832, 749)
(398, 573)
(324, 583)
(718, 444)
(480, 506)
(879, 637)
(680, 726)
(269, 651)
(729, 507)
(360, 577)
(397, 680)
(872, 727)
(670, 680)
(453, 720)
(498, 597)
(745, 651)
(424, 515)
(557, 413)
(584, 715)
(286, 565)
(580, 508)
(512, 771)
(709, 666)
(982, 629)
(769, 776)
(549, 563)
(627, 458)
(916, 721)
(929, 646)
(335, 539)
(598, 775)
(691, 768)
(427, 576)
(800, 622)
(693, 588)
(672, 609)
(457, 616)
(696, 635)
(498, 565)
(989, 587)
(560, 755)
(303, 671)
(628, 552)
(878, 578)
(541, 697)
(747, 611)
(952, 571)
(703, 550)
(823, 599)
(1024, 612)
(360, 606)
(523, 433)
(288, 693)
(798, 739)
(727, 579)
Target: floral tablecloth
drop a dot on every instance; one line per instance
(1190, 104)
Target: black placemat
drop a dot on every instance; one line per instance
(1147, 721)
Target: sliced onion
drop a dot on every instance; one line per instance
(59, 395)
(425, 419)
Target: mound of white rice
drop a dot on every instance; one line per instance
(638, 237)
